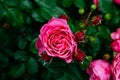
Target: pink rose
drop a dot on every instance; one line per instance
(99, 70)
(57, 40)
(115, 68)
(117, 1)
(115, 45)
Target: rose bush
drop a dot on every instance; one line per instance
(99, 70)
(57, 40)
(28, 53)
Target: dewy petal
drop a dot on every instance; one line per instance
(40, 46)
(115, 35)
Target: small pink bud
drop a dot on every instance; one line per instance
(80, 36)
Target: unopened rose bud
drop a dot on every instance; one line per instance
(45, 57)
(79, 55)
(80, 36)
(92, 39)
(93, 7)
(96, 20)
(81, 11)
(82, 25)
(63, 16)
(107, 16)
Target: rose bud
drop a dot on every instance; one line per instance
(79, 55)
(115, 67)
(99, 70)
(63, 16)
(80, 36)
(116, 2)
(95, 2)
(57, 40)
(45, 57)
(96, 20)
(115, 45)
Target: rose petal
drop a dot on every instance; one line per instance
(40, 46)
(115, 35)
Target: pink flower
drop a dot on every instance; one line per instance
(115, 45)
(117, 1)
(99, 70)
(57, 40)
(115, 67)
(116, 35)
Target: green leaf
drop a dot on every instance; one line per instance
(107, 6)
(25, 4)
(48, 11)
(116, 19)
(11, 3)
(22, 43)
(14, 17)
(73, 72)
(21, 55)
(60, 67)
(2, 12)
(36, 14)
(17, 71)
(79, 3)
(72, 27)
(4, 60)
(91, 30)
(32, 47)
(32, 66)
(50, 2)
(95, 47)
(85, 64)
(104, 32)
(66, 3)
